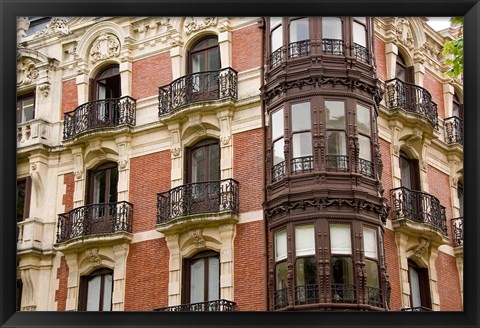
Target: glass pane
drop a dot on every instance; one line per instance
(278, 152)
(460, 199)
(113, 185)
(306, 271)
(198, 62)
(365, 148)
(93, 293)
(197, 281)
(198, 165)
(280, 245)
(455, 109)
(304, 240)
(336, 143)
(302, 144)
(277, 124)
(213, 60)
(299, 30)
(370, 242)
(28, 108)
(335, 111)
(301, 117)
(414, 287)
(372, 273)
(274, 21)
(363, 119)
(405, 173)
(277, 38)
(340, 239)
(359, 34)
(21, 189)
(342, 268)
(400, 73)
(99, 188)
(213, 278)
(332, 28)
(107, 293)
(214, 163)
(361, 19)
(281, 276)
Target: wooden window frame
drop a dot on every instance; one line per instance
(27, 182)
(95, 82)
(83, 290)
(414, 171)
(20, 100)
(206, 49)
(206, 143)
(187, 262)
(108, 180)
(424, 284)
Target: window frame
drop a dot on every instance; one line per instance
(424, 285)
(83, 291)
(20, 107)
(299, 44)
(205, 144)
(206, 50)
(273, 141)
(343, 130)
(27, 183)
(187, 263)
(362, 165)
(297, 257)
(341, 41)
(288, 125)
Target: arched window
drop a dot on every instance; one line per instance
(102, 192)
(96, 291)
(105, 89)
(403, 72)
(409, 172)
(202, 277)
(204, 62)
(419, 286)
(457, 107)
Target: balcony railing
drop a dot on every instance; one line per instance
(191, 88)
(280, 298)
(198, 198)
(307, 294)
(299, 49)
(343, 293)
(418, 206)
(95, 219)
(302, 164)
(365, 167)
(332, 46)
(361, 53)
(98, 114)
(411, 98)
(374, 297)
(278, 171)
(457, 230)
(337, 163)
(210, 306)
(453, 130)
(417, 309)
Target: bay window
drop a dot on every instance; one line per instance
(281, 268)
(276, 40)
(364, 140)
(337, 159)
(299, 38)
(374, 295)
(302, 160)
(278, 170)
(306, 288)
(343, 285)
(332, 35)
(360, 38)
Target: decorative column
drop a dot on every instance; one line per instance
(177, 155)
(433, 278)
(227, 235)
(226, 149)
(123, 144)
(424, 164)
(78, 170)
(418, 67)
(176, 51)
(125, 70)
(402, 242)
(225, 43)
(39, 176)
(175, 272)
(120, 253)
(391, 51)
(73, 281)
(82, 81)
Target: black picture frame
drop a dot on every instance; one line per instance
(10, 9)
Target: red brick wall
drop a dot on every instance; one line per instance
(380, 58)
(439, 186)
(249, 271)
(387, 175)
(435, 88)
(149, 175)
(146, 283)
(247, 168)
(393, 269)
(69, 96)
(67, 199)
(61, 292)
(448, 283)
(149, 74)
(246, 50)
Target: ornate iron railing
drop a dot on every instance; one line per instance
(365, 167)
(417, 309)
(337, 163)
(453, 130)
(302, 164)
(299, 49)
(278, 171)
(361, 53)
(343, 293)
(411, 98)
(209, 306)
(191, 88)
(95, 219)
(418, 206)
(105, 113)
(457, 231)
(276, 57)
(280, 298)
(307, 294)
(332, 46)
(198, 198)
(374, 297)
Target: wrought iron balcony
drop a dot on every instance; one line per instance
(302, 164)
(306, 294)
(280, 298)
(337, 163)
(417, 309)
(419, 207)
(99, 114)
(210, 306)
(412, 99)
(361, 53)
(374, 297)
(457, 231)
(453, 130)
(198, 198)
(343, 293)
(191, 88)
(333, 46)
(278, 171)
(365, 167)
(93, 219)
(299, 49)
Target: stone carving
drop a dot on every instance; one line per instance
(44, 89)
(93, 255)
(22, 27)
(176, 151)
(197, 238)
(404, 33)
(396, 150)
(195, 24)
(57, 24)
(27, 73)
(454, 182)
(122, 164)
(104, 47)
(33, 167)
(225, 140)
(422, 246)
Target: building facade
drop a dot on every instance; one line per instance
(237, 164)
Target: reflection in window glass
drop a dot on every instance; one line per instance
(335, 111)
(277, 124)
(372, 273)
(370, 242)
(281, 276)
(342, 270)
(280, 245)
(365, 148)
(359, 34)
(363, 119)
(274, 21)
(278, 151)
(25, 108)
(306, 271)
(336, 143)
(277, 38)
(213, 278)
(299, 30)
(332, 28)
(301, 117)
(302, 144)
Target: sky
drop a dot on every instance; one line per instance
(439, 23)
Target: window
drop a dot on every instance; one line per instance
(96, 291)
(24, 188)
(374, 295)
(106, 89)
(306, 288)
(360, 38)
(409, 172)
(460, 198)
(302, 159)
(343, 286)
(299, 38)
(276, 41)
(364, 140)
(402, 72)
(204, 57)
(332, 35)
(202, 276)
(277, 123)
(337, 159)
(457, 107)
(419, 286)
(19, 294)
(102, 195)
(281, 283)
(25, 108)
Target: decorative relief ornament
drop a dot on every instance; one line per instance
(57, 24)
(104, 47)
(93, 255)
(44, 89)
(176, 151)
(197, 238)
(122, 164)
(404, 34)
(195, 24)
(22, 27)
(27, 73)
(225, 140)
